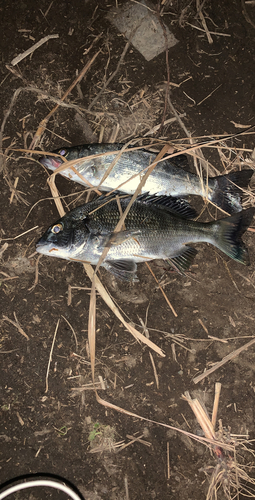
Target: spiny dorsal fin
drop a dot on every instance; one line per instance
(177, 206)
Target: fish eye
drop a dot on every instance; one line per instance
(62, 152)
(57, 228)
(93, 169)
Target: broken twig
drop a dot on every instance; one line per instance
(16, 324)
(19, 58)
(224, 360)
(50, 357)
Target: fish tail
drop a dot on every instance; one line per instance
(228, 235)
(227, 194)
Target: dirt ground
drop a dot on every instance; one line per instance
(65, 430)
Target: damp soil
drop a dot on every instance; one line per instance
(64, 430)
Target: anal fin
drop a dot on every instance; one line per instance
(183, 261)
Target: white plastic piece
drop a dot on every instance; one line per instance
(142, 24)
(40, 482)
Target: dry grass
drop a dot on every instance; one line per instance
(140, 116)
(16, 324)
(96, 284)
(44, 122)
(227, 475)
(228, 156)
(50, 357)
(103, 439)
(226, 359)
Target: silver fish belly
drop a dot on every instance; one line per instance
(167, 178)
(152, 231)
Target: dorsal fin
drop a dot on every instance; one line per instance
(177, 206)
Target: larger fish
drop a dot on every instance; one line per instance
(167, 178)
(152, 231)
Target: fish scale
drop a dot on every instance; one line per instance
(153, 230)
(169, 177)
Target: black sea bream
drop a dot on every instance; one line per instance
(155, 228)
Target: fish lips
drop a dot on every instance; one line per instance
(50, 162)
(45, 247)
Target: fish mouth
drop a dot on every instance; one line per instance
(52, 248)
(41, 247)
(50, 162)
(46, 249)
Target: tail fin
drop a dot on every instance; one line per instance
(227, 194)
(228, 233)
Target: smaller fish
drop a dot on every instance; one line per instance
(152, 231)
(168, 178)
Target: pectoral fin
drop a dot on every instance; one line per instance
(118, 238)
(124, 269)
